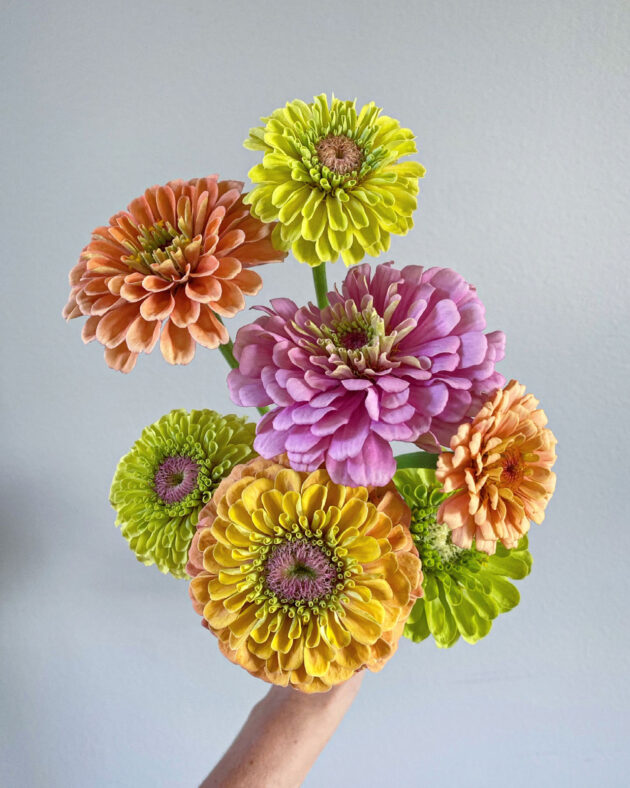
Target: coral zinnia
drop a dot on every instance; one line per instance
(398, 355)
(178, 257)
(170, 473)
(303, 581)
(332, 179)
(464, 589)
(500, 469)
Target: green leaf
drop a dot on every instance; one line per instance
(417, 459)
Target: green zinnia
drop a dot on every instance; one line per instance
(464, 589)
(161, 485)
(331, 179)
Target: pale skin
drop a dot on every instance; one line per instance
(282, 737)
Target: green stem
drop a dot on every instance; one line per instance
(228, 354)
(417, 459)
(321, 285)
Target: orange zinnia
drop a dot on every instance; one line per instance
(177, 258)
(500, 470)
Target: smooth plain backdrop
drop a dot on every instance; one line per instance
(521, 112)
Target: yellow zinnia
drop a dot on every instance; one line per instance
(331, 178)
(303, 581)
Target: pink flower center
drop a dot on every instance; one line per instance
(354, 340)
(300, 572)
(175, 478)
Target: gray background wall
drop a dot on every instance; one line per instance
(521, 113)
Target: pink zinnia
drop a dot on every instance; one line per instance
(397, 356)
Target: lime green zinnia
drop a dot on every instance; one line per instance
(331, 179)
(170, 473)
(464, 589)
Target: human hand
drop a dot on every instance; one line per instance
(282, 737)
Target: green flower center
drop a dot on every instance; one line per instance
(353, 338)
(158, 246)
(435, 546)
(353, 333)
(433, 539)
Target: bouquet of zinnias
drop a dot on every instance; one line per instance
(309, 547)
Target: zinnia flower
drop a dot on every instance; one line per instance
(500, 470)
(464, 589)
(332, 179)
(397, 356)
(177, 259)
(303, 581)
(161, 485)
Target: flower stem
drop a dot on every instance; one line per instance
(321, 285)
(417, 459)
(228, 354)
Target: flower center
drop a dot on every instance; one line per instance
(159, 250)
(513, 467)
(352, 333)
(175, 478)
(353, 340)
(299, 571)
(339, 153)
(434, 543)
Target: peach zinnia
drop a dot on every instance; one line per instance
(500, 470)
(174, 263)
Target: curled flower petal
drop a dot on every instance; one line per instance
(324, 166)
(499, 472)
(154, 263)
(281, 566)
(396, 356)
(465, 589)
(168, 476)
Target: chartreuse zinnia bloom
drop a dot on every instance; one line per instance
(161, 485)
(303, 581)
(332, 179)
(464, 589)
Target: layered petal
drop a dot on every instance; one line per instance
(302, 580)
(499, 471)
(399, 355)
(168, 476)
(174, 262)
(464, 588)
(331, 177)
